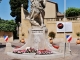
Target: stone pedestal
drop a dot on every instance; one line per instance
(8, 48)
(38, 39)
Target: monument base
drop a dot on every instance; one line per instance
(38, 40)
(8, 48)
(36, 57)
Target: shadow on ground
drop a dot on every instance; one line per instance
(2, 46)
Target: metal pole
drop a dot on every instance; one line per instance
(70, 49)
(64, 27)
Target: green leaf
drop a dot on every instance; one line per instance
(72, 12)
(52, 35)
(7, 25)
(15, 6)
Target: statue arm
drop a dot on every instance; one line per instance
(44, 2)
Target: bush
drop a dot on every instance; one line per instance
(78, 33)
(7, 25)
(52, 35)
(72, 12)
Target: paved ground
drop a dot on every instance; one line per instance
(74, 48)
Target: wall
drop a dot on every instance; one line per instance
(23, 29)
(9, 34)
(50, 10)
(51, 25)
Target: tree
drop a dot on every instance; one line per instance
(72, 12)
(15, 6)
(0, 1)
(7, 25)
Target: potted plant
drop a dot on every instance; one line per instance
(78, 40)
(22, 40)
(52, 35)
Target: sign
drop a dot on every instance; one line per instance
(64, 26)
(6, 38)
(69, 38)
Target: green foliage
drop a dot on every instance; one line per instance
(52, 35)
(0, 1)
(78, 33)
(7, 25)
(15, 6)
(72, 12)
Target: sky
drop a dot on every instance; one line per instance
(5, 7)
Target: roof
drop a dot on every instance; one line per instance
(55, 4)
(59, 14)
(52, 2)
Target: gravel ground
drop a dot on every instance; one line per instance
(74, 48)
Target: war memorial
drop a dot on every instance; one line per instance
(44, 17)
(37, 46)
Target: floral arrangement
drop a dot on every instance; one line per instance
(43, 52)
(28, 50)
(19, 51)
(32, 50)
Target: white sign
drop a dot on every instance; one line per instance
(64, 26)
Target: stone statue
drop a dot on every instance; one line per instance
(37, 12)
